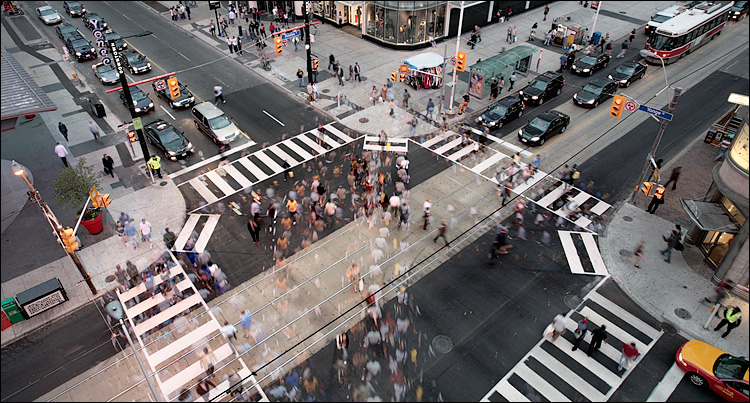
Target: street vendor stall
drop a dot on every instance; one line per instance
(425, 70)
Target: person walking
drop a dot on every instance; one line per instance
(732, 318)
(632, 36)
(629, 353)
(723, 147)
(238, 46)
(246, 321)
(229, 331)
(535, 164)
(406, 96)
(563, 63)
(464, 106)
(339, 70)
(558, 326)
(187, 9)
(601, 44)
(287, 169)
(301, 77)
(109, 165)
(63, 130)
(295, 40)
(130, 232)
(656, 201)
(218, 94)
(62, 153)
(351, 73)
(155, 165)
(638, 254)
(546, 11)
(548, 38)
(597, 337)
(513, 33)
(212, 28)
(392, 107)
(441, 233)
(146, 232)
(500, 85)
(426, 218)
(493, 89)
(672, 242)
(512, 80)
(673, 177)
(263, 31)
(430, 108)
(331, 61)
(571, 59)
(624, 48)
(94, 129)
(580, 332)
(254, 229)
(608, 49)
(508, 13)
(310, 91)
(357, 72)
(509, 35)
(231, 15)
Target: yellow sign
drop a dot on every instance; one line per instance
(404, 68)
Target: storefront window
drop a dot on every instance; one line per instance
(404, 22)
(391, 25)
(715, 245)
(733, 211)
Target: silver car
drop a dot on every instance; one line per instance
(48, 15)
(106, 73)
(212, 121)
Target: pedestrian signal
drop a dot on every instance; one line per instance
(402, 77)
(660, 191)
(461, 61)
(174, 87)
(278, 44)
(617, 104)
(131, 136)
(104, 200)
(393, 76)
(69, 240)
(315, 64)
(647, 186)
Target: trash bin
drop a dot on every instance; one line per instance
(12, 311)
(99, 110)
(596, 37)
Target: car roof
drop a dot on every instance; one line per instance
(45, 8)
(208, 110)
(509, 100)
(550, 115)
(601, 82)
(550, 75)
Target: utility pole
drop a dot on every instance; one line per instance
(128, 98)
(662, 128)
(442, 80)
(458, 43)
(308, 49)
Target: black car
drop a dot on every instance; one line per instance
(74, 8)
(89, 19)
(628, 72)
(738, 10)
(120, 43)
(185, 99)
(542, 88)
(65, 30)
(168, 139)
(595, 93)
(136, 62)
(143, 104)
(502, 112)
(589, 65)
(543, 127)
(80, 48)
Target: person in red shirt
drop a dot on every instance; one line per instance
(629, 354)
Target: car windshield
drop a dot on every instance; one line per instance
(47, 11)
(593, 88)
(497, 111)
(740, 4)
(627, 70)
(113, 36)
(538, 84)
(219, 122)
(67, 29)
(661, 18)
(105, 68)
(169, 135)
(135, 58)
(588, 60)
(728, 367)
(661, 42)
(138, 95)
(539, 124)
(79, 43)
(74, 5)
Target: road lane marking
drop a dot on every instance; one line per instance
(166, 111)
(271, 116)
(667, 385)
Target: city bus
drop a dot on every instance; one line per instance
(680, 35)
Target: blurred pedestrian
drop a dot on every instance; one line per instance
(94, 129)
(629, 352)
(558, 326)
(597, 337)
(62, 153)
(441, 233)
(723, 147)
(624, 48)
(673, 177)
(63, 130)
(580, 332)
(632, 36)
(638, 254)
(672, 242)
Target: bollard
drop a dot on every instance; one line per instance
(75, 77)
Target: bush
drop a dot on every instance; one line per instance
(73, 185)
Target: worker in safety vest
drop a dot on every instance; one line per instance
(732, 318)
(155, 165)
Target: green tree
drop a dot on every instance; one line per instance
(73, 185)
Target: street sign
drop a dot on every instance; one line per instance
(284, 42)
(290, 35)
(453, 60)
(404, 68)
(160, 85)
(101, 43)
(631, 106)
(94, 24)
(103, 52)
(98, 34)
(137, 124)
(656, 112)
(106, 60)
(312, 38)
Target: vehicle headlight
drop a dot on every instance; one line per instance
(93, 50)
(491, 124)
(150, 104)
(171, 152)
(83, 10)
(623, 81)
(736, 13)
(78, 53)
(148, 65)
(137, 109)
(609, 76)
(478, 120)
(590, 102)
(575, 96)
(520, 132)
(520, 92)
(535, 97)
(535, 139)
(574, 67)
(586, 70)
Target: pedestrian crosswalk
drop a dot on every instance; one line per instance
(205, 223)
(392, 144)
(581, 250)
(553, 371)
(572, 199)
(231, 178)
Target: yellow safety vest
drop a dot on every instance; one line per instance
(154, 162)
(732, 315)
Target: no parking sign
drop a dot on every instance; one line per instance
(631, 106)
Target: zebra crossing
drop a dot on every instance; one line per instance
(574, 198)
(205, 222)
(231, 178)
(587, 247)
(392, 144)
(553, 371)
(171, 339)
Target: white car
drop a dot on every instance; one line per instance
(48, 15)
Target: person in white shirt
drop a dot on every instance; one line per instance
(62, 152)
(146, 231)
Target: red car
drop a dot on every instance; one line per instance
(710, 366)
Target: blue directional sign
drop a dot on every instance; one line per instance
(289, 35)
(656, 112)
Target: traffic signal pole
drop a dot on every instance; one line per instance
(308, 48)
(662, 128)
(458, 43)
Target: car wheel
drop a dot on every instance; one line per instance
(563, 129)
(627, 84)
(591, 73)
(697, 380)
(541, 101)
(541, 142)
(596, 103)
(520, 114)
(559, 90)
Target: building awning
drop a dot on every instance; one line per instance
(21, 95)
(424, 61)
(710, 216)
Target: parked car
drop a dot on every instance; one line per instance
(48, 15)
(711, 367)
(120, 43)
(80, 48)
(74, 8)
(106, 73)
(142, 102)
(544, 126)
(501, 112)
(212, 121)
(595, 93)
(185, 99)
(589, 65)
(628, 72)
(135, 62)
(542, 88)
(89, 19)
(65, 30)
(168, 139)
(739, 9)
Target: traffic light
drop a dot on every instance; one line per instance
(131, 136)
(402, 77)
(647, 186)
(461, 61)
(660, 191)
(315, 64)
(393, 76)
(104, 200)
(278, 44)
(617, 104)
(69, 240)
(174, 87)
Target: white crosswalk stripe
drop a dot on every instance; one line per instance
(589, 247)
(599, 380)
(397, 144)
(207, 227)
(229, 179)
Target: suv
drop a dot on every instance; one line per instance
(501, 112)
(212, 121)
(74, 8)
(542, 88)
(663, 16)
(80, 48)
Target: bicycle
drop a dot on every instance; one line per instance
(265, 63)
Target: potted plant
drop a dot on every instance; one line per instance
(72, 189)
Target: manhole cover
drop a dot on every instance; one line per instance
(682, 313)
(442, 344)
(571, 301)
(326, 91)
(363, 120)
(627, 218)
(625, 253)
(163, 183)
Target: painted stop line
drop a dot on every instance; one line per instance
(631, 106)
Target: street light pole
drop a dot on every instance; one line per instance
(308, 49)
(458, 43)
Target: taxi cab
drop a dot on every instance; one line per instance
(711, 367)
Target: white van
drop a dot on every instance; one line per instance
(663, 16)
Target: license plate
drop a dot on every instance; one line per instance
(524, 140)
